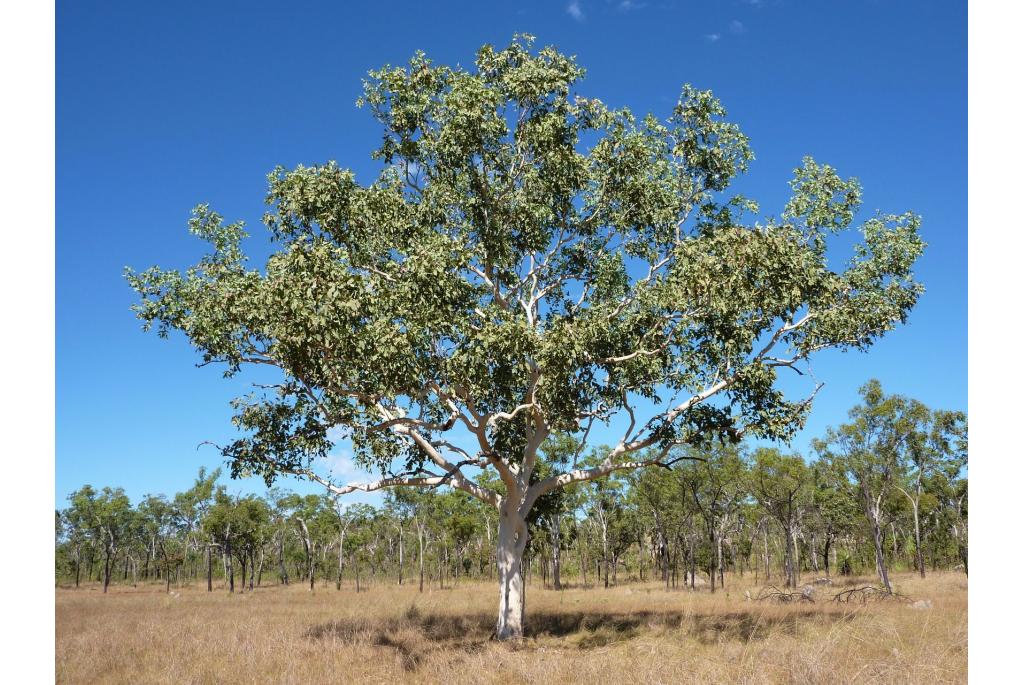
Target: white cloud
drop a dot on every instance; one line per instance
(342, 466)
(629, 5)
(337, 433)
(575, 10)
(736, 26)
(713, 37)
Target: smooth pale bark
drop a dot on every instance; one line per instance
(604, 548)
(419, 533)
(512, 537)
(259, 569)
(401, 550)
(282, 569)
(230, 564)
(341, 556)
(307, 543)
(915, 505)
(883, 573)
(917, 541)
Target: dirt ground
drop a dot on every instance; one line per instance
(627, 634)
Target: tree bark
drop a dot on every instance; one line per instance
(917, 539)
(828, 567)
(341, 557)
(419, 532)
(512, 536)
(308, 544)
(791, 576)
(604, 549)
(106, 573)
(721, 566)
(401, 551)
(883, 573)
(556, 556)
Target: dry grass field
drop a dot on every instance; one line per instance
(635, 634)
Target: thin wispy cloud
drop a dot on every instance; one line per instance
(713, 37)
(575, 10)
(342, 466)
(338, 433)
(629, 5)
(736, 27)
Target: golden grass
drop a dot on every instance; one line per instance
(624, 635)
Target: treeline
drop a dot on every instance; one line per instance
(888, 489)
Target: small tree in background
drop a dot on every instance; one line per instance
(782, 486)
(891, 445)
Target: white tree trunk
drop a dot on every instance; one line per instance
(512, 535)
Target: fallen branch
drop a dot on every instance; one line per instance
(868, 592)
(772, 593)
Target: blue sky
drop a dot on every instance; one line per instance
(161, 106)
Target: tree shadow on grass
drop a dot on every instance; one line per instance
(414, 635)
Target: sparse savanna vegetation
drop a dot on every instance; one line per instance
(742, 566)
(635, 633)
(574, 366)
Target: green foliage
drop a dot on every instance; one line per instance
(528, 260)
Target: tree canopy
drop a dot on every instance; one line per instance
(528, 260)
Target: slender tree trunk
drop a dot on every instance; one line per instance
(604, 550)
(259, 569)
(721, 566)
(664, 554)
(401, 551)
(693, 564)
(209, 568)
(583, 558)
(308, 544)
(883, 573)
(556, 552)
(917, 541)
(512, 536)
(791, 572)
(419, 531)
(828, 567)
(341, 557)
(282, 568)
(711, 561)
(230, 565)
(106, 572)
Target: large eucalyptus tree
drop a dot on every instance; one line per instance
(528, 260)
